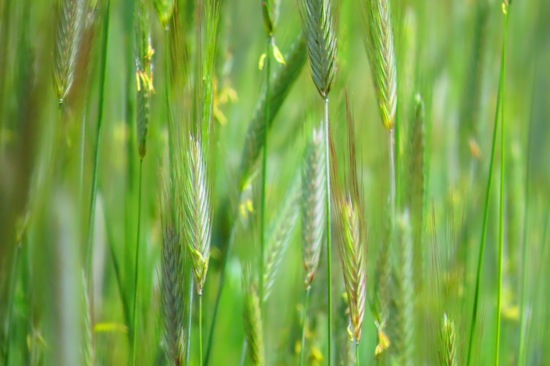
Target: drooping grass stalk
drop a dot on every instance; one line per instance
(320, 35)
(357, 361)
(486, 206)
(505, 9)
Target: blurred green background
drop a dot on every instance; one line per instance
(447, 51)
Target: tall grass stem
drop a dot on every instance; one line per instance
(11, 301)
(136, 268)
(329, 244)
(502, 188)
(200, 330)
(304, 327)
(485, 221)
(264, 170)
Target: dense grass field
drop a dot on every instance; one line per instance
(304, 182)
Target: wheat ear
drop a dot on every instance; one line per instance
(381, 54)
(404, 302)
(447, 352)
(197, 220)
(172, 281)
(164, 9)
(144, 76)
(69, 26)
(351, 245)
(278, 239)
(312, 204)
(321, 42)
(253, 327)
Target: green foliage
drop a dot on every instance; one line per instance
(142, 186)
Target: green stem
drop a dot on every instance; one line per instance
(91, 214)
(190, 318)
(304, 327)
(393, 176)
(329, 244)
(136, 268)
(244, 350)
(11, 301)
(502, 191)
(356, 353)
(200, 329)
(485, 219)
(167, 86)
(264, 169)
(219, 293)
(526, 221)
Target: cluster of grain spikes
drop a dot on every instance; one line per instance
(318, 27)
(352, 235)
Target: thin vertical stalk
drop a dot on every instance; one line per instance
(218, 294)
(91, 214)
(244, 351)
(356, 353)
(264, 169)
(329, 244)
(200, 329)
(485, 217)
(136, 268)
(502, 188)
(393, 177)
(304, 327)
(190, 317)
(167, 91)
(526, 221)
(11, 301)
